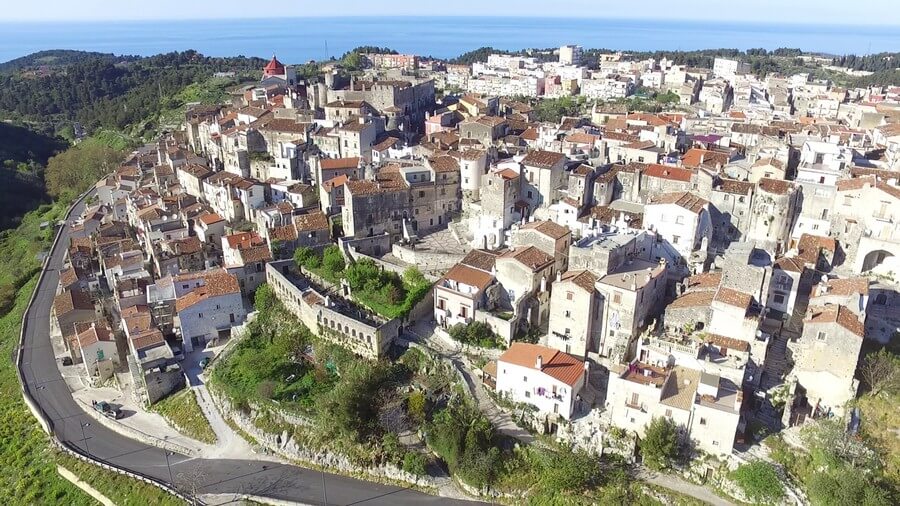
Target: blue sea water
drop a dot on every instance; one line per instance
(297, 40)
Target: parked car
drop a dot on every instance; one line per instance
(107, 410)
(204, 362)
(67, 360)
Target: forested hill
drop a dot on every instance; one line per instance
(57, 58)
(23, 156)
(97, 90)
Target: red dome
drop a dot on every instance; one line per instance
(274, 68)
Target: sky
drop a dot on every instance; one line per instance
(840, 12)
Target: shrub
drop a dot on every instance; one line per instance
(659, 447)
(415, 463)
(759, 482)
(415, 406)
(266, 389)
(333, 260)
(303, 255)
(476, 334)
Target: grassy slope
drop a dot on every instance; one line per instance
(182, 411)
(27, 461)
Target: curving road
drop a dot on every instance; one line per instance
(192, 475)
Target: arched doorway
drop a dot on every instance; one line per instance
(875, 258)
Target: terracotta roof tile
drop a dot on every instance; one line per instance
(549, 228)
(583, 279)
(469, 276)
(836, 314)
(215, 283)
(561, 366)
(531, 257)
(686, 200)
(480, 259)
(733, 298)
(543, 159)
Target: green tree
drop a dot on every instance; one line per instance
(570, 471)
(659, 447)
(302, 256)
(881, 372)
(759, 482)
(333, 260)
(264, 299)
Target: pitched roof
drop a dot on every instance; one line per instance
(697, 157)
(583, 279)
(686, 200)
(693, 299)
(735, 187)
(311, 221)
(480, 259)
(679, 388)
(559, 365)
(703, 281)
(339, 163)
(543, 159)
(667, 172)
(836, 314)
(531, 257)
(810, 246)
(776, 186)
(847, 286)
(788, 264)
(733, 298)
(71, 300)
(549, 228)
(216, 283)
(469, 276)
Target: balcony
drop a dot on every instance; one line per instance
(640, 407)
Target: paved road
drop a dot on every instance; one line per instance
(197, 476)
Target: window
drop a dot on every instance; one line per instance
(821, 336)
(568, 313)
(675, 239)
(668, 413)
(569, 296)
(715, 443)
(779, 299)
(529, 194)
(525, 379)
(421, 193)
(679, 220)
(231, 317)
(617, 298)
(703, 421)
(527, 394)
(199, 315)
(635, 399)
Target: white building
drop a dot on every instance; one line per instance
(680, 218)
(570, 55)
(547, 379)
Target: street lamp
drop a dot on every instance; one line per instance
(84, 438)
(171, 479)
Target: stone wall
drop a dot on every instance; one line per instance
(425, 260)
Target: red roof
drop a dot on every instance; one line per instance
(554, 363)
(274, 68)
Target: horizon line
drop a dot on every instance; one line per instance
(447, 16)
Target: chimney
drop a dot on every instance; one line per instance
(558, 276)
(738, 400)
(587, 368)
(539, 363)
(543, 284)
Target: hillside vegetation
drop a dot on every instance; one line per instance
(116, 93)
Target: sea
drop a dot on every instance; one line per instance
(298, 40)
